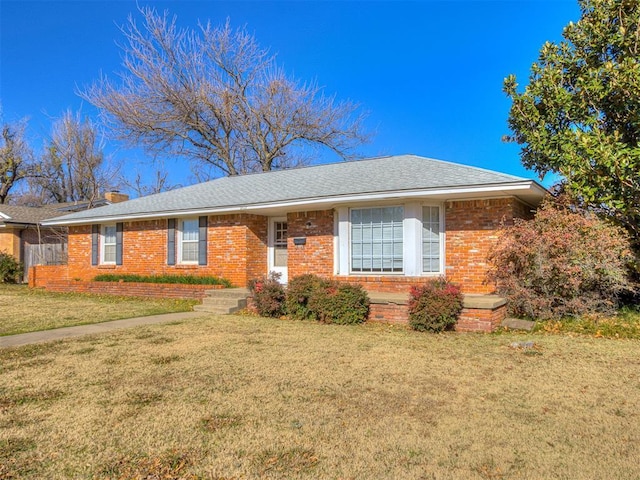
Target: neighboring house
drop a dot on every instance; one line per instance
(23, 235)
(385, 222)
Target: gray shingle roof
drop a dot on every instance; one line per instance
(369, 176)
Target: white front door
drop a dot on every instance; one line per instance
(278, 247)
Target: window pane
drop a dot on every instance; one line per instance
(109, 253)
(190, 230)
(430, 239)
(109, 244)
(376, 239)
(189, 251)
(190, 234)
(110, 235)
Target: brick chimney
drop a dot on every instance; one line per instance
(116, 197)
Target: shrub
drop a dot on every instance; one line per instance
(299, 291)
(561, 263)
(268, 295)
(10, 269)
(434, 306)
(339, 303)
(182, 279)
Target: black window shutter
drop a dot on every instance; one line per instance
(95, 237)
(202, 241)
(171, 241)
(119, 226)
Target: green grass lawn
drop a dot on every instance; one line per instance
(28, 310)
(247, 397)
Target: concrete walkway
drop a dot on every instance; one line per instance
(68, 332)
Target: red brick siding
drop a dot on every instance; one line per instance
(42, 275)
(316, 255)
(130, 289)
(477, 320)
(384, 284)
(256, 246)
(471, 230)
(236, 250)
(470, 320)
(388, 313)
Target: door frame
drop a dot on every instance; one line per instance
(283, 271)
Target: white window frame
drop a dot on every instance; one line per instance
(441, 240)
(180, 241)
(373, 257)
(412, 240)
(104, 244)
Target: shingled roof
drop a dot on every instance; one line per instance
(318, 184)
(14, 214)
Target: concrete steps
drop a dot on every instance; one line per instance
(223, 301)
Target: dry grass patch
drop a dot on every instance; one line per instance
(29, 310)
(246, 397)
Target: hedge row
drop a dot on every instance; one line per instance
(181, 279)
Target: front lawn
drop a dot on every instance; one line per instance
(247, 397)
(28, 310)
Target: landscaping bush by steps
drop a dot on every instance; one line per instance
(268, 295)
(434, 306)
(309, 297)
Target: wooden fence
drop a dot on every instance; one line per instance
(43, 254)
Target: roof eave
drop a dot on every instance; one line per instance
(529, 188)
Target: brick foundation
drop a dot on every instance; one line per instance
(480, 313)
(48, 277)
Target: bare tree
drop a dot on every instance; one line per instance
(73, 166)
(154, 181)
(215, 96)
(15, 158)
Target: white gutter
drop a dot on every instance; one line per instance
(513, 188)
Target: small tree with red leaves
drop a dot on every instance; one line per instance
(563, 262)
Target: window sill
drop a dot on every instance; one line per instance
(107, 266)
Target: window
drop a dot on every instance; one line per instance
(279, 244)
(188, 243)
(109, 244)
(377, 239)
(430, 239)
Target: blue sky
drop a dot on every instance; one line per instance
(428, 72)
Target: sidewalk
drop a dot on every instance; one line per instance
(69, 332)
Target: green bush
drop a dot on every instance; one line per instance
(10, 269)
(268, 295)
(339, 303)
(562, 263)
(183, 279)
(434, 306)
(299, 291)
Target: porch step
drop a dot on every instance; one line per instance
(223, 302)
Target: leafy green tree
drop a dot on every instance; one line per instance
(579, 116)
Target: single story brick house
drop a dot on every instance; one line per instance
(386, 223)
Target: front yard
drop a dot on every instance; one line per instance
(247, 397)
(28, 310)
